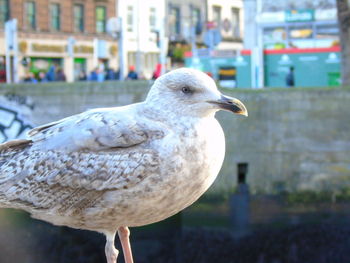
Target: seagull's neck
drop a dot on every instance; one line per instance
(172, 117)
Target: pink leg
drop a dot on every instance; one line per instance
(124, 234)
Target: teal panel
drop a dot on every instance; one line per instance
(320, 69)
(243, 66)
(212, 65)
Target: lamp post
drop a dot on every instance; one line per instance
(115, 29)
(11, 49)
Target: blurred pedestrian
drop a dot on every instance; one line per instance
(51, 73)
(100, 71)
(60, 76)
(93, 75)
(290, 78)
(110, 74)
(117, 74)
(82, 75)
(132, 75)
(30, 78)
(42, 77)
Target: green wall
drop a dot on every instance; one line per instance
(212, 64)
(319, 69)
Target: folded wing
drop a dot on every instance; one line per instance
(70, 164)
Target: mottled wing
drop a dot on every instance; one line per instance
(66, 172)
(94, 130)
(55, 180)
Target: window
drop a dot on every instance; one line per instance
(196, 20)
(152, 19)
(30, 15)
(174, 20)
(55, 14)
(327, 32)
(78, 18)
(217, 16)
(300, 32)
(100, 19)
(274, 38)
(4, 12)
(130, 19)
(235, 23)
(195, 16)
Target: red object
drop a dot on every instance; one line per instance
(246, 52)
(301, 50)
(209, 74)
(158, 71)
(132, 68)
(188, 54)
(211, 24)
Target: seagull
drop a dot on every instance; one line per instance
(109, 169)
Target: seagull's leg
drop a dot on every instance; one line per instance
(110, 250)
(124, 234)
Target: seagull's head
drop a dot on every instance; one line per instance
(191, 92)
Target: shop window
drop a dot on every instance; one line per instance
(274, 38)
(300, 32)
(80, 69)
(30, 15)
(101, 19)
(301, 37)
(55, 13)
(327, 36)
(78, 18)
(4, 12)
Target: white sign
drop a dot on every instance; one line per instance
(113, 26)
(333, 58)
(285, 60)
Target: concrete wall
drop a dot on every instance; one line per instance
(293, 139)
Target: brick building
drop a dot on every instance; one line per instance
(44, 29)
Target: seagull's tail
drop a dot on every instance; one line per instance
(8, 151)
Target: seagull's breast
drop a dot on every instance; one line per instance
(203, 152)
(191, 158)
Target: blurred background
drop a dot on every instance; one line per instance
(283, 194)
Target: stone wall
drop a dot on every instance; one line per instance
(293, 139)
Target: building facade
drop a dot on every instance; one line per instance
(71, 35)
(143, 31)
(207, 27)
(299, 24)
(185, 25)
(228, 17)
(277, 25)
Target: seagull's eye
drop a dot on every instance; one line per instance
(186, 90)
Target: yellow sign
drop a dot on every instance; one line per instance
(227, 72)
(84, 49)
(48, 48)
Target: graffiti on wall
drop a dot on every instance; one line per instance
(15, 112)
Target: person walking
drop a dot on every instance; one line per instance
(290, 78)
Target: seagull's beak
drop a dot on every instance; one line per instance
(231, 104)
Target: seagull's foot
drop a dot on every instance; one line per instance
(111, 255)
(110, 250)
